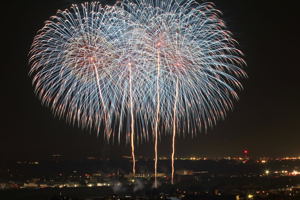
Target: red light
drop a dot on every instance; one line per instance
(245, 151)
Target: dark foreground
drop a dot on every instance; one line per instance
(221, 179)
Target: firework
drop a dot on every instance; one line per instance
(73, 60)
(149, 67)
(191, 65)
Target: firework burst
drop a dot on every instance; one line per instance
(191, 64)
(147, 66)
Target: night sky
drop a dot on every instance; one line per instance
(265, 120)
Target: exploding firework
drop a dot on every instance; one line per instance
(74, 62)
(147, 66)
(191, 63)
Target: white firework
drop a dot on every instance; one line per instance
(146, 66)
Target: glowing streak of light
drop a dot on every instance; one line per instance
(174, 131)
(132, 121)
(101, 99)
(156, 119)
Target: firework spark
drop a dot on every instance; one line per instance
(168, 65)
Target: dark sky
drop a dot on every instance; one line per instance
(265, 120)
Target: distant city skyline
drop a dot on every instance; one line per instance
(262, 179)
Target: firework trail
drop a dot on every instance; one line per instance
(157, 114)
(174, 133)
(132, 122)
(138, 70)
